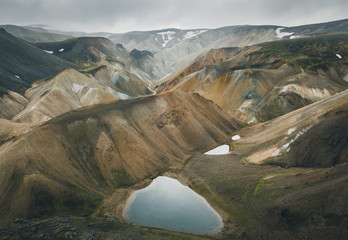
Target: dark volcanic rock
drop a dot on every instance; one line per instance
(140, 54)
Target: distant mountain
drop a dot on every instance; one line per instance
(175, 48)
(340, 26)
(34, 34)
(265, 81)
(154, 40)
(81, 50)
(22, 63)
(117, 67)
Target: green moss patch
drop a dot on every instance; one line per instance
(122, 178)
(309, 54)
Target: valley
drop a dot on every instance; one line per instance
(87, 120)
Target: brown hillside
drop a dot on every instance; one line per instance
(261, 82)
(69, 164)
(284, 179)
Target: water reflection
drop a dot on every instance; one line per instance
(168, 204)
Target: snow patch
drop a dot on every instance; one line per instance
(299, 134)
(17, 76)
(282, 34)
(167, 36)
(221, 150)
(291, 130)
(61, 50)
(235, 137)
(50, 52)
(292, 37)
(339, 56)
(77, 88)
(191, 34)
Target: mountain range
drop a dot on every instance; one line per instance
(86, 119)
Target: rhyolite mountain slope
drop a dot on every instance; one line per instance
(30, 91)
(110, 64)
(284, 179)
(64, 92)
(175, 48)
(70, 164)
(99, 152)
(22, 63)
(313, 136)
(264, 81)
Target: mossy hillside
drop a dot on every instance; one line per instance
(310, 54)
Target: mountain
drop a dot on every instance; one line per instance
(299, 139)
(11, 103)
(175, 48)
(340, 26)
(154, 40)
(75, 144)
(259, 83)
(64, 92)
(157, 40)
(111, 65)
(70, 164)
(22, 63)
(81, 50)
(34, 34)
(285, 178)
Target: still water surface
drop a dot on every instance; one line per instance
(168, 204)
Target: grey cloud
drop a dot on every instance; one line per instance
(127, 15)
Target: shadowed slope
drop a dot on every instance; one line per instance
(22, 63)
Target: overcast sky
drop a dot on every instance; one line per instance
(129, 15)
